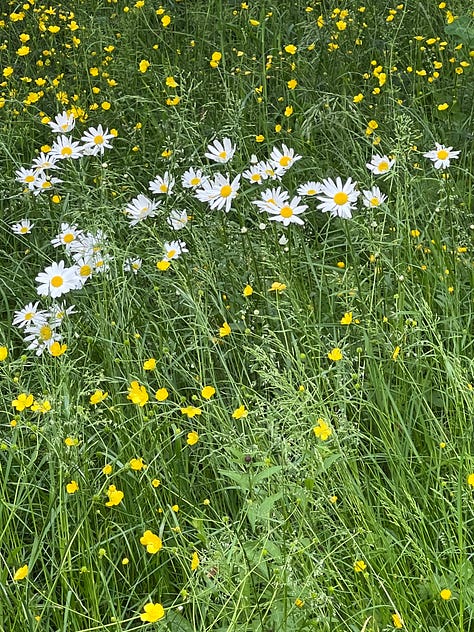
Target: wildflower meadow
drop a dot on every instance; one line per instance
(237, 297)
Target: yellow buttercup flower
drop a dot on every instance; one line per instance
(21, 573)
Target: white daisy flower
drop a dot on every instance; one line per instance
(193, 178)
(27, 176)
(58, 312)
(67, 234)
(63, 123)
(380, 164)
(84, 270)
(23, 227)
(30, 315)
(132, 265)
(173, 249)
(41, 337)
(178, 219)
(56, 280)
(441, 156)
(284, 158)
(288, 213)
(221, 152)
(220, 192)
(140, 208)
(44, 161)
(162, 185)
(64, 147)
(96, 140)
(309, 189)
(337, 198)
(373, 197)
(101, 263)
(272, 199)
(271, 171)
(88, 246)
(44, 183)
(255, 174)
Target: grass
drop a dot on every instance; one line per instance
(266, 523)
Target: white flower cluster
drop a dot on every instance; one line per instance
(95, 141)
(86, 251)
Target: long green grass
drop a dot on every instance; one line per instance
(265, 526)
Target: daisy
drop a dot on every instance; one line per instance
(84, 270)
(56, 280)
(288, 213)
(58, 312)
(30, 315)
(88, 245)
(41, 338)
(162, 185)
(63, 123)
(441, 156)
(219, 192)
(309, 188)
(173, 249)
(220, 152)
(255, 174)
(132, 265)
(96, 140)
(67, 234)
(27, 176)
(23, 227)
(373, 198)
(380, 164)
(178, 219)
(64, 147)
(193, 178)
(337, 198)
(44, 183)
(284, 158)
(272, 199)
(140, 208)
(271, 171)
(44, 161)
(101, 263)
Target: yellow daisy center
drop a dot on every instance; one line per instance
(286, 211)
(46, 332)
(194, 181)
(340, 198)
(46, 184)
(66, 151)
(223, 155)
(23, 230)
(30, 179)
(163, 188)
(311, 192)
(442, 154)
(285, 161)
(68, 237)
(383, 166)
(85, 270)
(57, 281)
(98, 140)
(28, 316)
(226, 190)
(171, 253)
(255, 177)
(374, 201)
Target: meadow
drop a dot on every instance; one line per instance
(237, 297)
